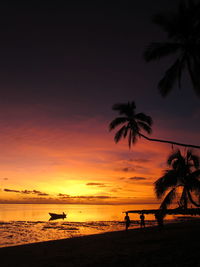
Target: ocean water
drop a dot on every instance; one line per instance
(28, 223)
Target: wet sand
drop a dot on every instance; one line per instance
(174, 245)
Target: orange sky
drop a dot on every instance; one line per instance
(78, 162)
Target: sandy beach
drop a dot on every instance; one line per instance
(174, 245)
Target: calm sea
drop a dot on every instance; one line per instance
(28, 223)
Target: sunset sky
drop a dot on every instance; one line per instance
(62, 68)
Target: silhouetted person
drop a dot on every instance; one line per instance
(142, 221)
(127, 221)
(159, 217)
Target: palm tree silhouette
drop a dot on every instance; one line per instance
(133, 124)
(183, 30)
(184, 173)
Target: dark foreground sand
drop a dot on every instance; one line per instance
(174, 245)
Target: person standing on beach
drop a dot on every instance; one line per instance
(127, 221)
(159, 217)
(142, 221)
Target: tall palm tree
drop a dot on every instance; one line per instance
(184, 174)
(183, 31)
(134, 124)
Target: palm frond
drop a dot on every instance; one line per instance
(134, 138)
(192, 182)
(119, 134)
(144, 118)
(168, 180)
(171, 76)
(116, 122)
(194, 72)
(195, 174)
(145, 127)
(181, 69)
(192, 200)
(157, 50)
(194, 158)
(130, 139)
(165, 21)
(168, 199)
(174, 155)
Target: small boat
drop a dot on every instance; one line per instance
(55, 216)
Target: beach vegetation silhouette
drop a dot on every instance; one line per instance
(183, 41)
(184, 174)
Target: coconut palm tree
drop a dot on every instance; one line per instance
(183, 31)
(184, 174)
(134, 124)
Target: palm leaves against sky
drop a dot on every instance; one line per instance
(183, 31)
(134, 124)
(184, 173)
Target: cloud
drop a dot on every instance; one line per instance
(11, 190)
(5, 179)
(137, 178)
(136, 168)
(63, 195)
(114, 190)
(97, 184)
(36, 192)
(25, 192)
(128, 169)
(42, 194)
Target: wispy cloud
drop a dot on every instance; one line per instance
(11, 190)
(63, 195)
(137, 178)
(128, 169)
(97, 184)
(27, 192)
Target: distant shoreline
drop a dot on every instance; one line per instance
(177, 244)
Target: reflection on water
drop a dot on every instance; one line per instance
(21, 232)
(20, 224)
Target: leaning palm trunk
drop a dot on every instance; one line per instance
(167, 141)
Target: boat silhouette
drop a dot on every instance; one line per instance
(55, 216)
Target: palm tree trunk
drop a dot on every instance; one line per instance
(191, 200)
(167, 141)
(184, 199)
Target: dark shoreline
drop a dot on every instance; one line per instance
(175, 245)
